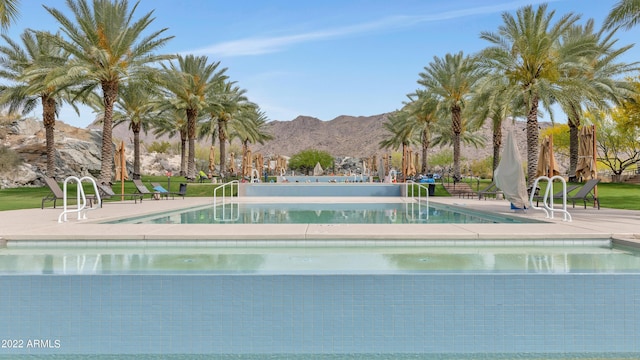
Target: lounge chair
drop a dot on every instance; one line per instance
(142, 189)
(558, 195)
(56, 193)
(107, 192)
(586, 193)
(491, 190)
(165, 193)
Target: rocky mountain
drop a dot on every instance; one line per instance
(344, 136)
(78, 150)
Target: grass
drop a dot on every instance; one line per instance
(612, 195)
(31, 197)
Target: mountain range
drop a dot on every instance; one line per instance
(344, 136)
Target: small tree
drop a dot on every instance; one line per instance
(618, 144)
(306, 160)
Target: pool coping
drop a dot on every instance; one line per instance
(621, 226)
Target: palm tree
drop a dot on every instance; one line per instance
(527, 51)
(8, 13)
(137, 107)
(250, 127)
(402, 132)
(226, 102)
(27, 67)
(107, 48)
(171, 122)
(494, 101)
(190, 82)
(452, 80)
(423, 110)
(598, 82)
(626, 14)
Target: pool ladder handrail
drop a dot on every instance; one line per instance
(419, 197)
(255, 176)
(233, 204)
(81, 208)
(548, 200)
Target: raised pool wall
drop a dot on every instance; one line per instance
(320, 189)
(323, 314)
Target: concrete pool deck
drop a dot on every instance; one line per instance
(590, 223)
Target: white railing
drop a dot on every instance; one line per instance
(228, 210)
(422, 216)
(81, 199)
(548, 199)
(255, 176)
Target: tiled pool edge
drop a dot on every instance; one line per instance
(334, 243)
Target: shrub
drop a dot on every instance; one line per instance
(482, 167)
(9, 159)
(306, 160)
(161, 147)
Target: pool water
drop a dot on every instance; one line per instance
(323, 260)
(448, 302)
(326, 213)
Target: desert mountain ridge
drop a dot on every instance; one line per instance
(78, 150)
(344, 136)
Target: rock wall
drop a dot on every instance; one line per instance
(77, 152)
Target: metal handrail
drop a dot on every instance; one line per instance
(81, 198)
(547, 200)
(224, 191)
(95, 191)
(419, 197)
(234, 216)
(255, 176)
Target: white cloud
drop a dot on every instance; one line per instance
(264, 45)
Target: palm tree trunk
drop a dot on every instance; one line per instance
(404, 163)
(223, 147)
(456, 128)
(110, 94)
(425, 149)
(497, 142)
(245, 148)
(532, 141)
(192, 115)
(49, 120)
(135, 127)
(183, 153)
(574, 124)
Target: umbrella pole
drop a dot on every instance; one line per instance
(595, 165)
(122, 170)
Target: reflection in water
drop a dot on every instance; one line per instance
(567, 261)
(326, 213)
(322, 260)
(47, 268)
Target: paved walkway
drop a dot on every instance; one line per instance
(590, 223)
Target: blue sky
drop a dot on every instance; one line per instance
(325, 58)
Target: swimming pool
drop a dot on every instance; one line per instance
(411, 212)
(599, 258)
(531, 302)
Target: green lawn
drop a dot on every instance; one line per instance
(31, 197)
(612, 195)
